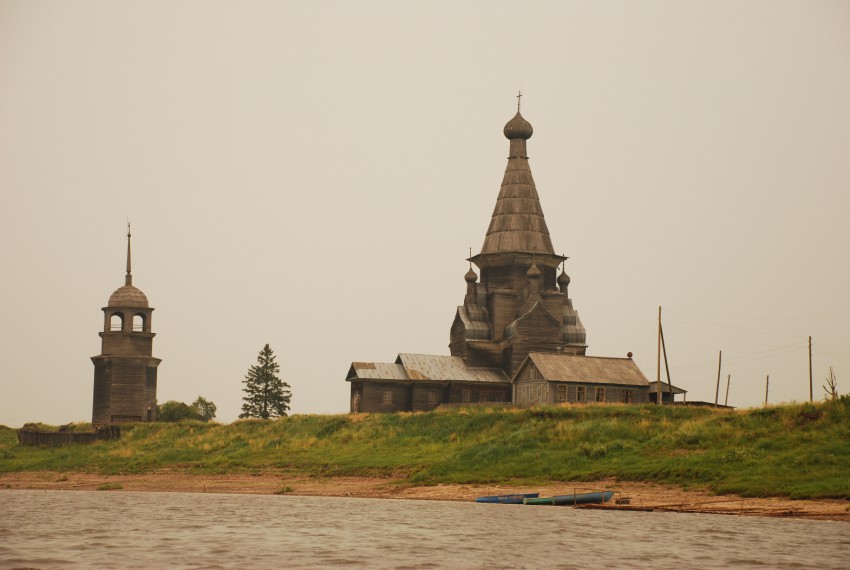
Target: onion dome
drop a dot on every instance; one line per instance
(128, 296)
(533, 271)
(563, 280)
(470, 276)
(518, 128)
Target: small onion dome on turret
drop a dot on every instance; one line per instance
(533, 272)
(563, 280)
(518, 128)
(470, 276)
(128, 296)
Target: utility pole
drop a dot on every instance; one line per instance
(726, 401)
(717, 390)
(766, 385)
(666, 366)
(811, 394)
(658, 362)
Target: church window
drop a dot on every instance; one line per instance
(600, 394)
(562, 393)
(116, 322)
(580, 394)
(138, 322)
(388, 396)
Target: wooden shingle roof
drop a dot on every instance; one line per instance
(588, 369)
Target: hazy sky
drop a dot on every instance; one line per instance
(311, 175)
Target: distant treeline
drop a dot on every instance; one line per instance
(800, 450)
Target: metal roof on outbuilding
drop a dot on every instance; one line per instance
(587, 369)
(665, 387)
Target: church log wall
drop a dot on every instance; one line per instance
(376, 396)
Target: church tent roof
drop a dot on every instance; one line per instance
(517, 224)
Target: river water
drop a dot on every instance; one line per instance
(63, 529)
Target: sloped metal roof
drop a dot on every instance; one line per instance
(377, 371)
(446, 368)
(665, 387)
(588, 369)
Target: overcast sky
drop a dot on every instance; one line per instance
(311, 175)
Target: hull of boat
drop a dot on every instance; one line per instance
(579, 499)
(512, 499)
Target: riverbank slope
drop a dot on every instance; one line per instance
(799, 451)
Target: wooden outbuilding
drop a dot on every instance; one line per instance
(546, 378)
(668, 392)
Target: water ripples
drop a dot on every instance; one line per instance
(61, 529)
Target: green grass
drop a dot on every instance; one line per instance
(799, 451)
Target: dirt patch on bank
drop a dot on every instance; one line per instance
(640, 496)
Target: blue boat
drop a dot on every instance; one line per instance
(512, 499)
(577, 499)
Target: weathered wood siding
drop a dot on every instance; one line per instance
(545, 392)
(124, 389)
(457, 338)
(538, 333)
(373, 395)
(502, 306)
(470, 393)
(532, 392)
(102, 392)
(127, 344)
(429, 395)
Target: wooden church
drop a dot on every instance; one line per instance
(125, 369)
(517, 337)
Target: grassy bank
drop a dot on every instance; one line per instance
(799, 451)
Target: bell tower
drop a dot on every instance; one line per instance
(125, 370)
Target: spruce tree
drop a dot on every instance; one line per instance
(266, 395)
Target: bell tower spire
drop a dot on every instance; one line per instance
(128, 279)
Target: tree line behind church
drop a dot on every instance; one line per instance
(267, 396)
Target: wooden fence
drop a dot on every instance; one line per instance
(55, 438)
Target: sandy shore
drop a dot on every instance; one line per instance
(640, 496)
